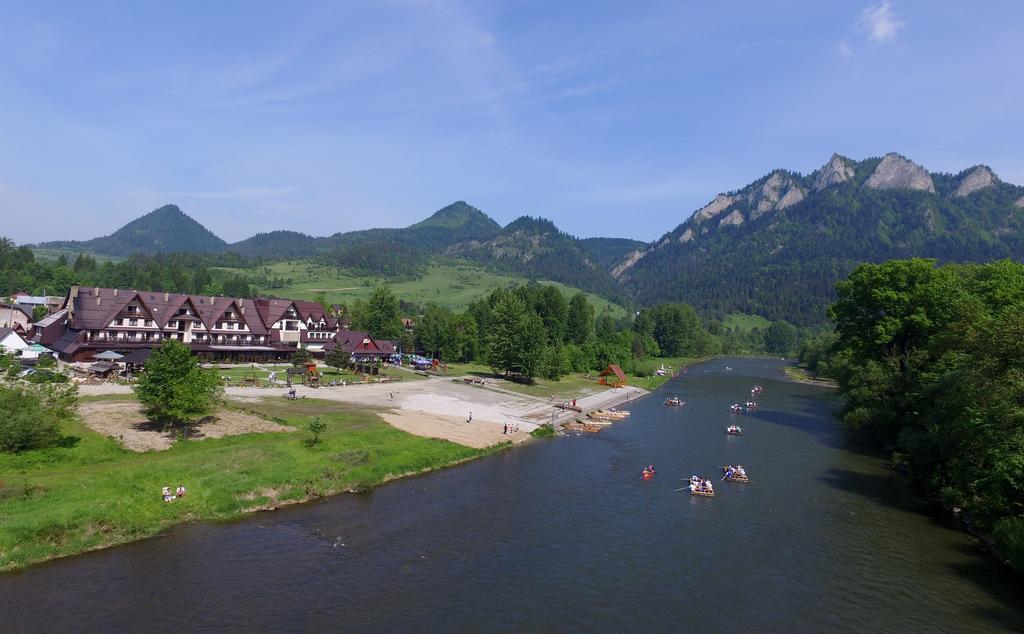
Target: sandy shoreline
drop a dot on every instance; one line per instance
(443, 408)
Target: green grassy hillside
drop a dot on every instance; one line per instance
(447, 283)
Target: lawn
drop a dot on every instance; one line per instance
(447, 283)
(238, 375)
(568, 387)
(91, 493)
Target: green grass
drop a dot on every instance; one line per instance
(238, 376)
(651, 382)
(568, 387)
(447, 283)
(91, 493)
(745, 323)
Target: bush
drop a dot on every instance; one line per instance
(46, 376)
(317, 426)
(1009, 538)
(46, 361)
(27, 420)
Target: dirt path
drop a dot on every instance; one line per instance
(126, 422)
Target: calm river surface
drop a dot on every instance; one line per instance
(563, 535)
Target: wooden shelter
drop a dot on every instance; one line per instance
(612, 376)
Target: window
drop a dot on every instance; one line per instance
(149, 322)
(133, 322)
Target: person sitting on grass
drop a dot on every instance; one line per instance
(166, 492)
(180, 491)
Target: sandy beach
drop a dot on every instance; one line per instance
(470, 415)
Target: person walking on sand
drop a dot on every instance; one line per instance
(392, 395)
(470, 419)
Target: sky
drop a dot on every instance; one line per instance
(610, 118)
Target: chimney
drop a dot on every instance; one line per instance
(115, 292)
(211, 300)
(96, 291)
(98, 300)
(167, 297)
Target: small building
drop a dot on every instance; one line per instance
(11, 341)
(17, 317)
(613, 376)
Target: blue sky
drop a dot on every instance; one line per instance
(616, 119)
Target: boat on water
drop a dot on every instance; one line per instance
(735, 408)
(702, 487)
(674, 401)
(734, 430)
(735, 474)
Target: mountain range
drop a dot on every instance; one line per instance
(775, 247)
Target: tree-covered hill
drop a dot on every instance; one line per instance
(163, 230)
(778, 246)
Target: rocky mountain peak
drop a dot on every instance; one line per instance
(837, 170)
(977, 179)
(715, 207)
(898, 172)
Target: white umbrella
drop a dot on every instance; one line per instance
(109, 355)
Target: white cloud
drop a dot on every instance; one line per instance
(880, 23)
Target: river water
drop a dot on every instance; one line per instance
(563, 535)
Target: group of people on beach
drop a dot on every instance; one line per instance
(510, 429)
(170, 497)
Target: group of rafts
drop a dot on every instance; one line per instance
(703, 486)
(749, 406)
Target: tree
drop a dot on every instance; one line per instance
(338, 358)
(579, 326)
(174, 390)
(236, 286)
(301, 357)
(780, 338)
(516, 338)
(39, 312)
(45, 361)
(317, 426)
(382, 320)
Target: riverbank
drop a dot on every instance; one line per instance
(801, 375)
(91, 493)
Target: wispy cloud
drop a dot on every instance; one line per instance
(880, 23)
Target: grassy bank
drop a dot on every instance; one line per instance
(90, 493)
(802, 375)
(650, 381)
(568, 387)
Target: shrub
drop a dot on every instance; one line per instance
(1009, 538)
(27, 421)
(317, 426)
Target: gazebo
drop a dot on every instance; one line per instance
(108, 355)
(613, 376)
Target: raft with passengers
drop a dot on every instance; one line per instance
(735, 474)
(674, 401)
(701, 486)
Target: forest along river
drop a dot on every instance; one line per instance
(564, 535)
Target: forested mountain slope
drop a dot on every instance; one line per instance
(778, 246)
(163, 230)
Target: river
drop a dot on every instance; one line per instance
(563, 535)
